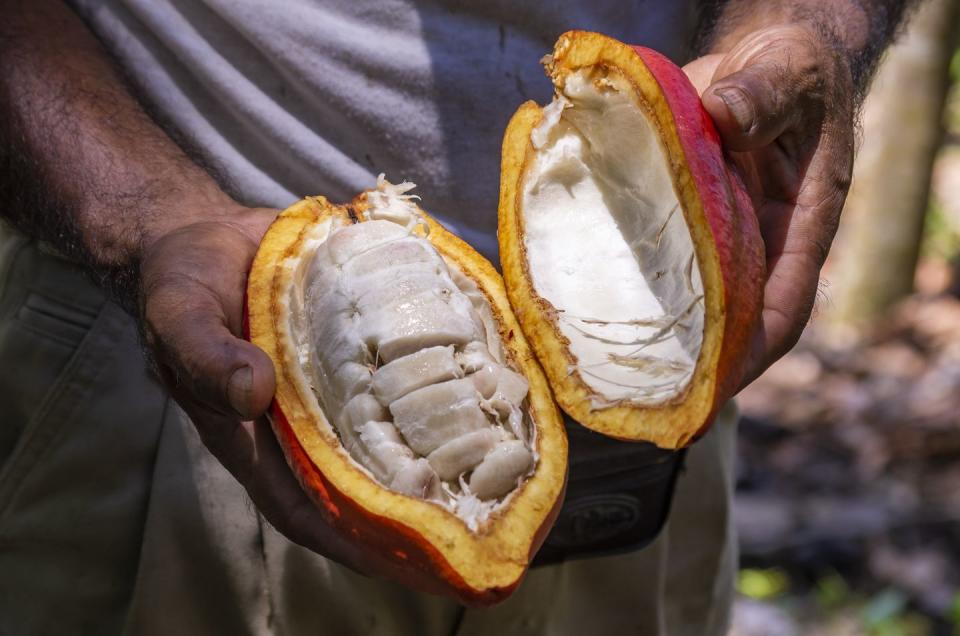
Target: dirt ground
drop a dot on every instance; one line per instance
(848, 501)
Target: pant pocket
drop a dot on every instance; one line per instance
(46, 310)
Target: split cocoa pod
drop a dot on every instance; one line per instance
(408, 402)
(630, 249)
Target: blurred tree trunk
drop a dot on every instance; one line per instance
(880, 238)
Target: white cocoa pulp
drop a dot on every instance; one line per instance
(403, 354)
(608, 246)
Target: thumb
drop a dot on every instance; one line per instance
(204, 361)
(193, 294)
(766, 86)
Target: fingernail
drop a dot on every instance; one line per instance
(238, 389)
(740, 106)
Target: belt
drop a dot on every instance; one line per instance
(618, 497)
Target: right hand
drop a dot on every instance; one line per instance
(783, 102)
(193, 282)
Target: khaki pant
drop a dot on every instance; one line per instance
(114, 519)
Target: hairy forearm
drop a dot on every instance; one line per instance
(859, 30)
(82, 166)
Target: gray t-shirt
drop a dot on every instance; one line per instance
(286, 99)
(297, 97)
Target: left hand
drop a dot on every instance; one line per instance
(194, 276)
(783, 102)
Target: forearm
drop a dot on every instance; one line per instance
(81, 164)
(859, 30)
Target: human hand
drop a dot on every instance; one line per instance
(782, 99)
(106, 186)
(193, 283)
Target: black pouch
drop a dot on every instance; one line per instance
(618, 497)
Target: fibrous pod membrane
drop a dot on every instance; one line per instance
(408, 402)
(630, 249)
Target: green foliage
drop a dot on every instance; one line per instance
(955, 67)
(837, 607)
(941, 239)
(884, 607)
(832, 592)
(951, 111)
(954, 615)
(763, 585)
